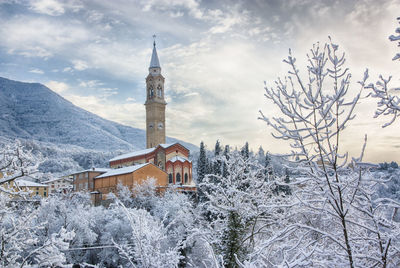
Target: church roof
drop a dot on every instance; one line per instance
(154, 63)
(120, 171)
(145, 151)
(133, 154)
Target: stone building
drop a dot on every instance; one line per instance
(84, 180)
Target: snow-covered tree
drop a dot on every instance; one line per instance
(217, 164)
(149, 244)
(396, 38)
(245, 150)
(238, 203)
(388, 103)
(334, 220)
(201, 163)
(16, 162)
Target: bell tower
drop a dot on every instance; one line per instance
(155, 103)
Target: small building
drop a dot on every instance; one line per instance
(35, 189)
(129, 176)
(60, 185)
(83, 180)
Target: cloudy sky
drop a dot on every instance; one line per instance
(215, 56)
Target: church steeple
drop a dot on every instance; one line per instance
(154, 63)
(155, 102)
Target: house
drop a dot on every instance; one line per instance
(83, 180)
(60, 185)
(20, 185)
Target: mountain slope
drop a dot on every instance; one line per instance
(34, 112)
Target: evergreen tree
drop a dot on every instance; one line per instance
(287, 189)
(245, 151)
(269, 170)
(232, 240)
(224, 165)
(217, 162)
(202, 163)
(261, 155)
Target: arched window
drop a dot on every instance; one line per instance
(186, 178)
(170, 180)
(151, 92)
(159, 93)
(178, 178)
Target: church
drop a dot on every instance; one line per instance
(168, 164)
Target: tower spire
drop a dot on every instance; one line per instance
(154, 63)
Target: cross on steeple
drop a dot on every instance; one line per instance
(154, 37)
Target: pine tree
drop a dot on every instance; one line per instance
(217, 162)
(269, 170)
(245, 151)
(202, 163)
(261, 155)
(224, 166)
(287, 189)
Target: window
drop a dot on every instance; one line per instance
(170, 178)
(37, 188)
(37, 193)
(186, 178)
(44, 194)
(178, 178)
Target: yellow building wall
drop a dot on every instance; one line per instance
(41, 191)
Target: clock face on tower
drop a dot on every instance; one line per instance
(160, 125)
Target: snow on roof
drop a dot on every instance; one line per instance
(133, 154)
(57, 179)
(25, 183)
(154, 63)
(178, 158)
(120, 171)
(145, 151)
(92, 169)
(167, 145)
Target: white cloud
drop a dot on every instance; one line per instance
(38, 37)
(132, 114)
(59, 87)
(67, 69)
(54, 7)
(80, 65)
(91, 84)
(49, 7)
(36, 71)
